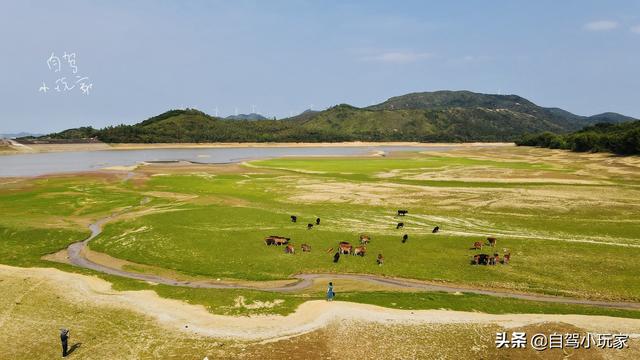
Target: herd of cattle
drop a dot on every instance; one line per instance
(346, 248)
(485, 259)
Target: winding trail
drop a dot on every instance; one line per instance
(77, 258)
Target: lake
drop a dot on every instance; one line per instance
(74, 161)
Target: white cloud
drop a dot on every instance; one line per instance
(635, 29)
(601, 25)
(398, 57)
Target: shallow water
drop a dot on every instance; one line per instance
(60, 162)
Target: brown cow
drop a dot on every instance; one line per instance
(492, 241)
(506, 258)
(345, 247)
(289, 249)
(360, 250)
(364, 239)
(380, 259)
(305, 248)
(477, 245)
(276, 240)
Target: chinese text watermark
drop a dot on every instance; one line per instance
(65, 70)
(541, 342)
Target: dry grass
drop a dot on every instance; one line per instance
(33, 309)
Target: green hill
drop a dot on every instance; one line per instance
(428, 117)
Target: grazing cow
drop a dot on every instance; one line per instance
(360, 250)
(380, 259)
(309, 226)
(402, 212)
(276, 240)
(364, 239)
(435, 229)
(492, 260)
(289, 249)
(492, 241)
(294, 218)
(496, 258)
(336, 257)
(345, 248)
(317, 221)
(477, 245)
(305, 248)
(506, 258)
(400, 225)
(481, 259)
(405, 237)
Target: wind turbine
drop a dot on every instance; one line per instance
(216, 111)
(236, 111)
(253, 109)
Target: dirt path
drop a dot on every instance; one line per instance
(77, 258)
(309, 316)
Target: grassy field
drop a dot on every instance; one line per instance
(34, 310)
(569, 220)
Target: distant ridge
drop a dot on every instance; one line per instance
(17, 135)
(252, 116)
(439, 116)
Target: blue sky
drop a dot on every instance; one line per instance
(145, 57)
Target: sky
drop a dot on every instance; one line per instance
(130, 60)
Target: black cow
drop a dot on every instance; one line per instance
(309, 226)
(435, 229)
(480, 259)
(400, 225)
(317, 221)
(402, 212)
(336, 257)
(294, 218)
(405, 237)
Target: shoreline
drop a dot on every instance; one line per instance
(46, 148)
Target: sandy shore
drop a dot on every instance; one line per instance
(309, 316)
(37, 148)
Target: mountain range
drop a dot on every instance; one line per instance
(440, 116)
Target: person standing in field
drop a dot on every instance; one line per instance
(330, 293)
(64, 338)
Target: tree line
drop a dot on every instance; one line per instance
(622, 139)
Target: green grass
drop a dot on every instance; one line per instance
(475, 302)
(376, 165)
(222, 301)
(219, 233)
(222, 242)
(24, 247)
